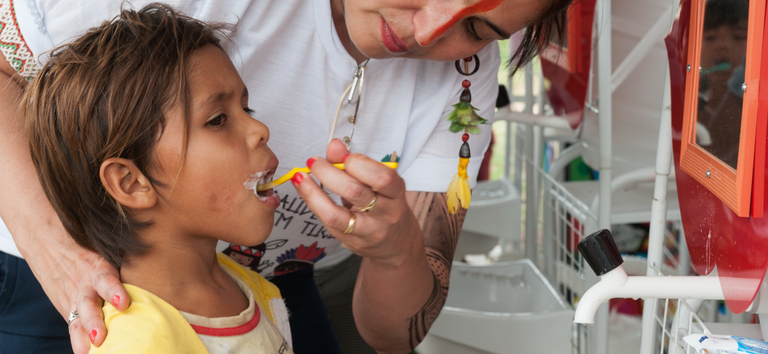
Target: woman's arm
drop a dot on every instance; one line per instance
(395, 307)
(68, 273)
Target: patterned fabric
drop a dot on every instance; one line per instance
(12, 43)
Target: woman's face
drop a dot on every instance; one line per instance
(434, 29)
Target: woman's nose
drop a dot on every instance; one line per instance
(432, 22)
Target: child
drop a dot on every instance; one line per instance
(142, 138)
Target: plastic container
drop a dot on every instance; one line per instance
(503, 308)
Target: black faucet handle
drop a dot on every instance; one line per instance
(601, 252)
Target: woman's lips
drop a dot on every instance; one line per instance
(390, 39)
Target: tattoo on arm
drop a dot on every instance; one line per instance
(441, 233)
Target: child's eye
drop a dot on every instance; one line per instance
(217, 121)
(249, 111)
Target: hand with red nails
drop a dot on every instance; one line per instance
(389, 231)
(406, 260)
(73, 278)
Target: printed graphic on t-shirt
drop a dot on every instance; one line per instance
(298, 258)
(250, 257)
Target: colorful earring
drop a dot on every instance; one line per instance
(463, 117)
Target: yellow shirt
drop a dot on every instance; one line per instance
(151, 325)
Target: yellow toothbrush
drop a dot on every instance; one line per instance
(295, 170)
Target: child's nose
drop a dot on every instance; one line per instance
(257, 133)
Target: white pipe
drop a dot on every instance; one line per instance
(599, 334)
(532, 205)
(655, 34)
(606, 108)
(531, 196)
(616, 284)
(658, 213)
(533, 119)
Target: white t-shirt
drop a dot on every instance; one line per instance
(296, 69)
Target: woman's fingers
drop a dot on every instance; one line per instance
(334, 217)
(107, 284)
(102, 282)
(78, 337)
(336, 151)
(91, 317)
(361, 181)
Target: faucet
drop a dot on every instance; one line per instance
(600, 251)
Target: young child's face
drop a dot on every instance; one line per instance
(225, 148)
(724, 44)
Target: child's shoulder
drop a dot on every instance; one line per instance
(149, 325)
(255, 281)
(267, 294)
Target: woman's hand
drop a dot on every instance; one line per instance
(76, 280)
(388, 232)
(73, 278)
(406, 239)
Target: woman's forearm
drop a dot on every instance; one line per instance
(396, 304)
(25, 209)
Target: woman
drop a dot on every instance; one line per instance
(405, 240)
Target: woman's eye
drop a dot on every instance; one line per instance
(217, 121)
(472, 30)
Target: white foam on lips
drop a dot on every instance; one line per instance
(252, 182)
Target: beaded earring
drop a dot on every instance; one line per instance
(463, 117)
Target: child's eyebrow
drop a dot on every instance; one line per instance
(214, 98)
(218, 97)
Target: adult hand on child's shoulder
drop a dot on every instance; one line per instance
(72, 277)
(75, 279)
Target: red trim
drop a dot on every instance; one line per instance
(231, 331)
(18, 29)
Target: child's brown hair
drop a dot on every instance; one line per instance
(102, 96)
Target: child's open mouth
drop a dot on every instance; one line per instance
(257, 179)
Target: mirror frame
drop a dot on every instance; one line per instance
(732, 186)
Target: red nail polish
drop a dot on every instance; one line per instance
(296, 179)
(310, 161)
(93, 335)
(344, 158)
(116, 301)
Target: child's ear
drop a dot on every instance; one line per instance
(127, 184)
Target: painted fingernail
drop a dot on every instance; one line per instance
(93, 335)
(116, 301)
(344, 158)
(310, 161)
(296, 179)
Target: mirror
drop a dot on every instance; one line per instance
(722, 86)
(723, 57)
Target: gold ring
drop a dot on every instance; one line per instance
(351, 226)
(370, 205)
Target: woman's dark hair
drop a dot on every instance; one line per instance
(550, 27)
(103, 96)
